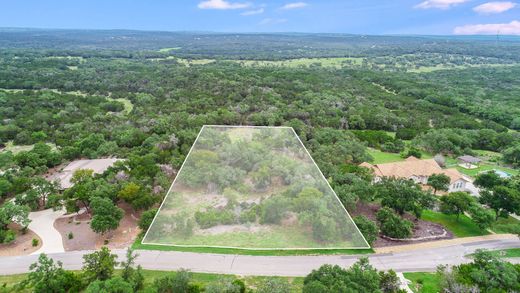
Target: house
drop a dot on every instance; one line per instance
(469, 162)
(64, 176)
(419, 171)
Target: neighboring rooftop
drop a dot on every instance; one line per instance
(98, 165)
(469, 159)
(413, 167)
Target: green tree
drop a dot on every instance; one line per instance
(511, 155)
(99, 265)
(368, 228)
(439, 182)
(456, 203)
(403, 195)
(112, 285)
(481, 216)
(48, 276)
(392, 225)
(9, 213)
(146, 219)
(503, 199)
(106, 215)
(274, 285)
(488, 180)
(180, 282)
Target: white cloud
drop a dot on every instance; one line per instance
(494, 7)
(441, 4)
(294, 5)
(272, 21)
(512, 28)
(222, 5)
(252, 12)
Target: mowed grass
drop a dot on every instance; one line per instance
(150, 275)
(424, 282)
(486, 167)
(381, 157)
(138, 245)
(511, 252)
(506, 225)
(464, 227)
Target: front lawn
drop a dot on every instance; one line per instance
(506, 225)
(138, 245)
(464, 227)
(150, 276)
(423, 282)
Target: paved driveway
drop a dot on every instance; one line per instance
(42, 223)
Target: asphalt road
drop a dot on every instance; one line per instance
(416, 260)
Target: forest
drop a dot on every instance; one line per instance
(143, 97)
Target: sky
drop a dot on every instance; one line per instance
(379, 17)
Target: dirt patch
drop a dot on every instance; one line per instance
(22, 245)
(84, 238)
(421, 228)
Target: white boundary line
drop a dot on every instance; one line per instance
(255, 249)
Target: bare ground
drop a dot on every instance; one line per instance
(22, 245)
(421, 229)
(84, 238)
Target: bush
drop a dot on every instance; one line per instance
(367, 227)
(249, 216)
(35, 242)
(324, 229)
(273, 210)
(70, 235)
(146, 219)
(392, 225)
(214, 217)
(7, 236)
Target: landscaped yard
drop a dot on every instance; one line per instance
(423, 282)
(464, 227)
(486, 167)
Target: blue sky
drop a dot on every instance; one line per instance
(439, 17)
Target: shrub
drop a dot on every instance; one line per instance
(70, 235)
(392, 225)
(35, 242)
(273, 210)
(146, 219)
(324, 229)
(367, 227)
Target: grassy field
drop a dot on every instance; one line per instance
(150, 276)
(462, 228)
(126, 103)
(381, 157)
(10, 146)
(137, 245)
(166, 50)
(306, 62)
(512, 252)
(423, 282)
(506, 225)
